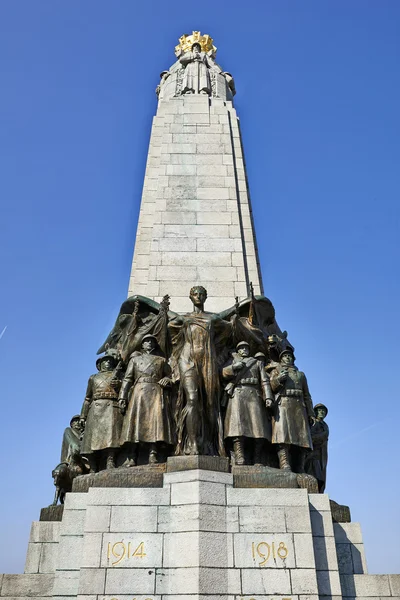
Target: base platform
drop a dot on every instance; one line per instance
(198, 537)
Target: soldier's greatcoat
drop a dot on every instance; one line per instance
(148, 416)
(292, 408)
(248, 389)
(101, 411)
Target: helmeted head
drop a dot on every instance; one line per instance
(287, 357)
(149, 342)
(108, 362)
(261, 356)
(320, 411)
(74, 422)
(243, 349)
(198, 295)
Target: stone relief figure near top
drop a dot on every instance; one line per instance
(196, 78)
(195, 71)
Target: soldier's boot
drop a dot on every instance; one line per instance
(153, 459)
(92, 463)
(301, 461)
(110, 461)
(283, 455)
(258, 448)
(131, 459)
(238, 449)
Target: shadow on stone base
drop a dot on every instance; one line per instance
(268, 477)
(52, 513)
(146, 476)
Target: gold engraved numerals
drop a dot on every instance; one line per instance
(121, 551)
(264, 551)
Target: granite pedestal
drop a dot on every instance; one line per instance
(196, 537)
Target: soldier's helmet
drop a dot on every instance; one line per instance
(287, 350)
(240, 344)
(148, 336)
(110, 357)
(320, 405)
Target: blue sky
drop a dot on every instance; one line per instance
(318, 95)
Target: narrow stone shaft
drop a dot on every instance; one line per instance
(195, 224)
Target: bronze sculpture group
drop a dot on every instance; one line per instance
(199, 383)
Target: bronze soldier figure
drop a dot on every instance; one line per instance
(249, 394)
(100, 415)
(317, 459)
(72, 437)
(146, 402)
(293, 411)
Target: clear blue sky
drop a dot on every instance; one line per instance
(318, 96)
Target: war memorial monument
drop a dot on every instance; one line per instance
(197, 464)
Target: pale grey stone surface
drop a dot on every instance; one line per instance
(75, 501)
(66, 583)
(70, 552)
(304, 549)
(192, 517)
(266, 581)
(262, 519)
(365, 585)
(267, 496)
(28, 584)
(45, 531)
(97, 518)
(304, 581)
(134, 518)
(297, 519)
(32, 558)
(91, 550)
(348, 532)
(198, 549)
(124, 581)
(92, 581)
(195, 580)
(194, 492)
(48, 558)
(193, 158)
(128, 496)
(73, 522)
(394, 583)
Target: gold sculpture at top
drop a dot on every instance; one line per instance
(186, 42)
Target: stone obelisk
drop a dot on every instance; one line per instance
(195, 224)
(191, 528)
